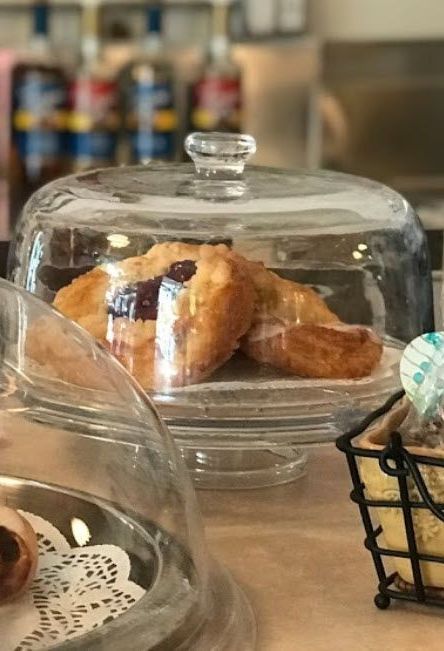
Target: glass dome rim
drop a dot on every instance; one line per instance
(356, 181)
(365, 202)
(271, 169)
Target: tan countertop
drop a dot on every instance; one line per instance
(297, 551)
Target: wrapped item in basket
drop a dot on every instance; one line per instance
(418, 418)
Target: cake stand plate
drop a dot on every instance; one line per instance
(254, 431)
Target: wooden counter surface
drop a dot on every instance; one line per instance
(297, 551)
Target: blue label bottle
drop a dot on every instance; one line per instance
(148, 105)
(38, 115)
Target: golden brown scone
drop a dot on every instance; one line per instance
(294, 330)
(286, 300)
(171, 317)
(83, 301)
(211, 314)
(315, 351)
(57, 354)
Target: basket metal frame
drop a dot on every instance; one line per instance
(396, 461)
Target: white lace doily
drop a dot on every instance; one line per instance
(75, 591)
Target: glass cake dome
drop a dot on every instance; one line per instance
(262, 309)
(88, 464)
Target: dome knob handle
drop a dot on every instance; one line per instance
(220, 155)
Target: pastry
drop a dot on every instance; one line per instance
(18, 554)
(177, 313)
(295, 331)
(171, 317)
(285, 300)
(314, 351)
(56, 351)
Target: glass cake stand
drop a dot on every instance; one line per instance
(256, 431)
(175, 268)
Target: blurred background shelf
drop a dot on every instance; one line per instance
(16, 4)
(354, 85)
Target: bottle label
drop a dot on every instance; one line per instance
(42, 144)
(216, 104)
(93, 121)
(151, 120)
(93, 146)
(39, 115)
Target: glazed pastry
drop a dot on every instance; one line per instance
(314, 351)
(294, 330)
(284, 300)
(18, 554)
(171, 317)
(176, 314)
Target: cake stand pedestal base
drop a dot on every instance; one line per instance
(244, 468)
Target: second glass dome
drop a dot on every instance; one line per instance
(88, 464)
(260, 308)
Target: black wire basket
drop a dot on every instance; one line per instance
(411, 499)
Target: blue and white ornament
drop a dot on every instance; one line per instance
(422, 372)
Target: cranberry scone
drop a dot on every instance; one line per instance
(172, 316)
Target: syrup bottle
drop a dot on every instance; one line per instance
(216, 95)
(93, 122)
(148, 102)
(39, 96)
